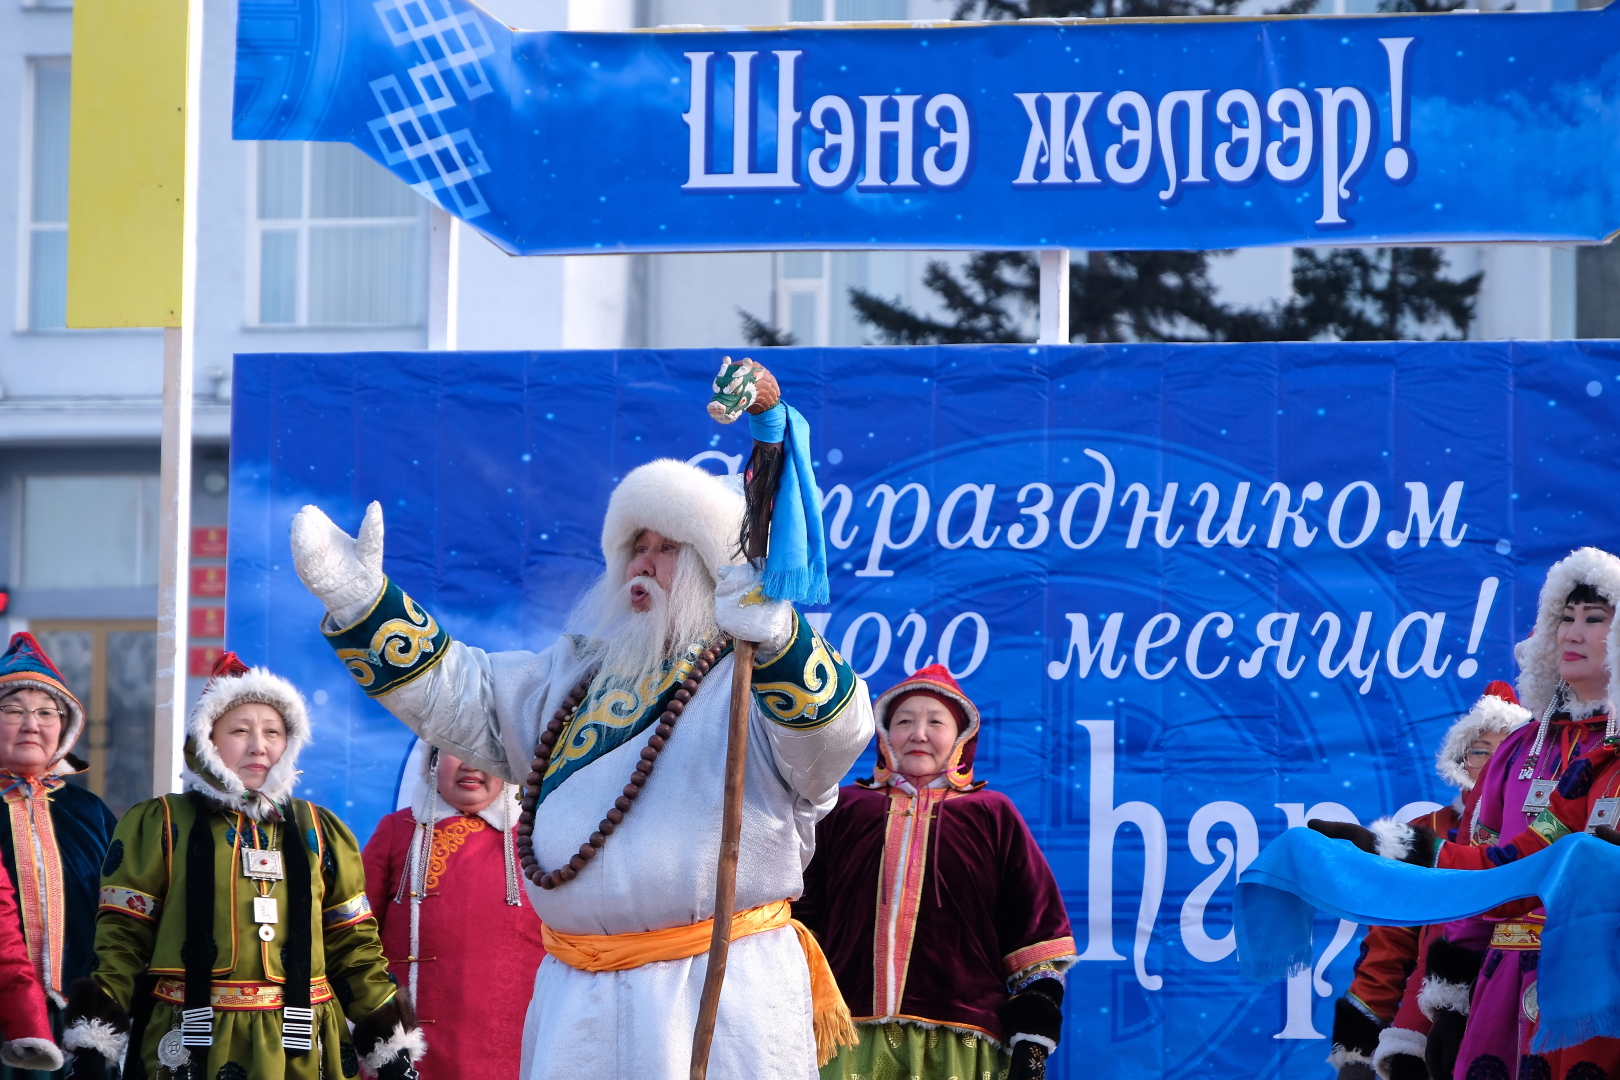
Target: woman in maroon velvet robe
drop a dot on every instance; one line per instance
(960, 971)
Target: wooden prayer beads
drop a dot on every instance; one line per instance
(621, 806)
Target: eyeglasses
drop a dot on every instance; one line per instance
(1477, 757)
(13, 714)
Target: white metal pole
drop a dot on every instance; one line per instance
(444, 278)
(174, 486)
(1054, 297)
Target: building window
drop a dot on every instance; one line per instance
(337, 240)
(801, 296)
(111, 667)
(1597, 291)
(89, 532)
(46, 195)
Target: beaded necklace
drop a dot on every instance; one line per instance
(550, 879)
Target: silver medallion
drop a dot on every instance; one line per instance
(264, 909)
(1540, 796)
(267, 932)
(261, 865)
(171, 1052)
(1604, 812)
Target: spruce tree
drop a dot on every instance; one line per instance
(757, 331)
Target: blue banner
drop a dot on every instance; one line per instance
(1200, 593)
(1140, 134)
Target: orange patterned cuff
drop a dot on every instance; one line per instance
(1042, 951)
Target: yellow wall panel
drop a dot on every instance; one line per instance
(126, 183)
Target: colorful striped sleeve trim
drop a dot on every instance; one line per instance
(356, 909)
(130, 902)
(1041, 952)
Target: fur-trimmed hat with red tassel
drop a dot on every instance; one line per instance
(1496, 712)
(234, 683)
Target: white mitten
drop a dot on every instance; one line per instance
(345, 574)
(742, 610)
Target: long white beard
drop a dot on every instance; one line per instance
(635, 643)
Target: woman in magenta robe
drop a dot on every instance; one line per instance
(961, 969)
(469, 951)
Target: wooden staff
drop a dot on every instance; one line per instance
(764, 474)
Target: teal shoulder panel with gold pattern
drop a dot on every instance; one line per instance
(805, 686)
(616, 709)
(394, 643)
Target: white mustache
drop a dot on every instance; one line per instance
(660, 597)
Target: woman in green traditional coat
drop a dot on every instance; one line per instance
(234, 934)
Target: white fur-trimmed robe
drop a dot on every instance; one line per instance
(657, 870)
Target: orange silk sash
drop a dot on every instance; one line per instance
(621, 952)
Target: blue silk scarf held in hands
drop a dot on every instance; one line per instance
(796, 566)
(1577, 879)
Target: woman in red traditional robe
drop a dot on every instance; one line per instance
(25, 1028)
(960, 972)
(455, 926)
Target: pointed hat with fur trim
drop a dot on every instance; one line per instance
(936, 681)
(683, 502)
(233, 684)
(24, 666)
(1496, 712)
(1538, 654)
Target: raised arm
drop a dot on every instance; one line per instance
(476, 705)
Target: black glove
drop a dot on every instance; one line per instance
(389, 1041)
(93, 1025)
(1355, 1038)
(1036, 1010)
(1028, 1061)
(1445, 1039)
(1448, 986)
(1387, 838)
(398, 1067)
(1406, 1067)
(1344, 830)
(85, 1064)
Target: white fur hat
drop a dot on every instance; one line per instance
(236, 684)
(1538, 654)
(681, 501)
(1498, 711)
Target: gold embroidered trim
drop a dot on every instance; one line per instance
(447, 840)
(1516, 936)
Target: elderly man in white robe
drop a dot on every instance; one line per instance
(671, 599)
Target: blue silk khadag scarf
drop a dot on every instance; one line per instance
(796, 566)
(1577, 879)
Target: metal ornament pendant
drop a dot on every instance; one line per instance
(1604, 812)
(264, 909)
(171, 1051)
(262, 865)
(267, 932)
(1531, 1003)
(1540, 796)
